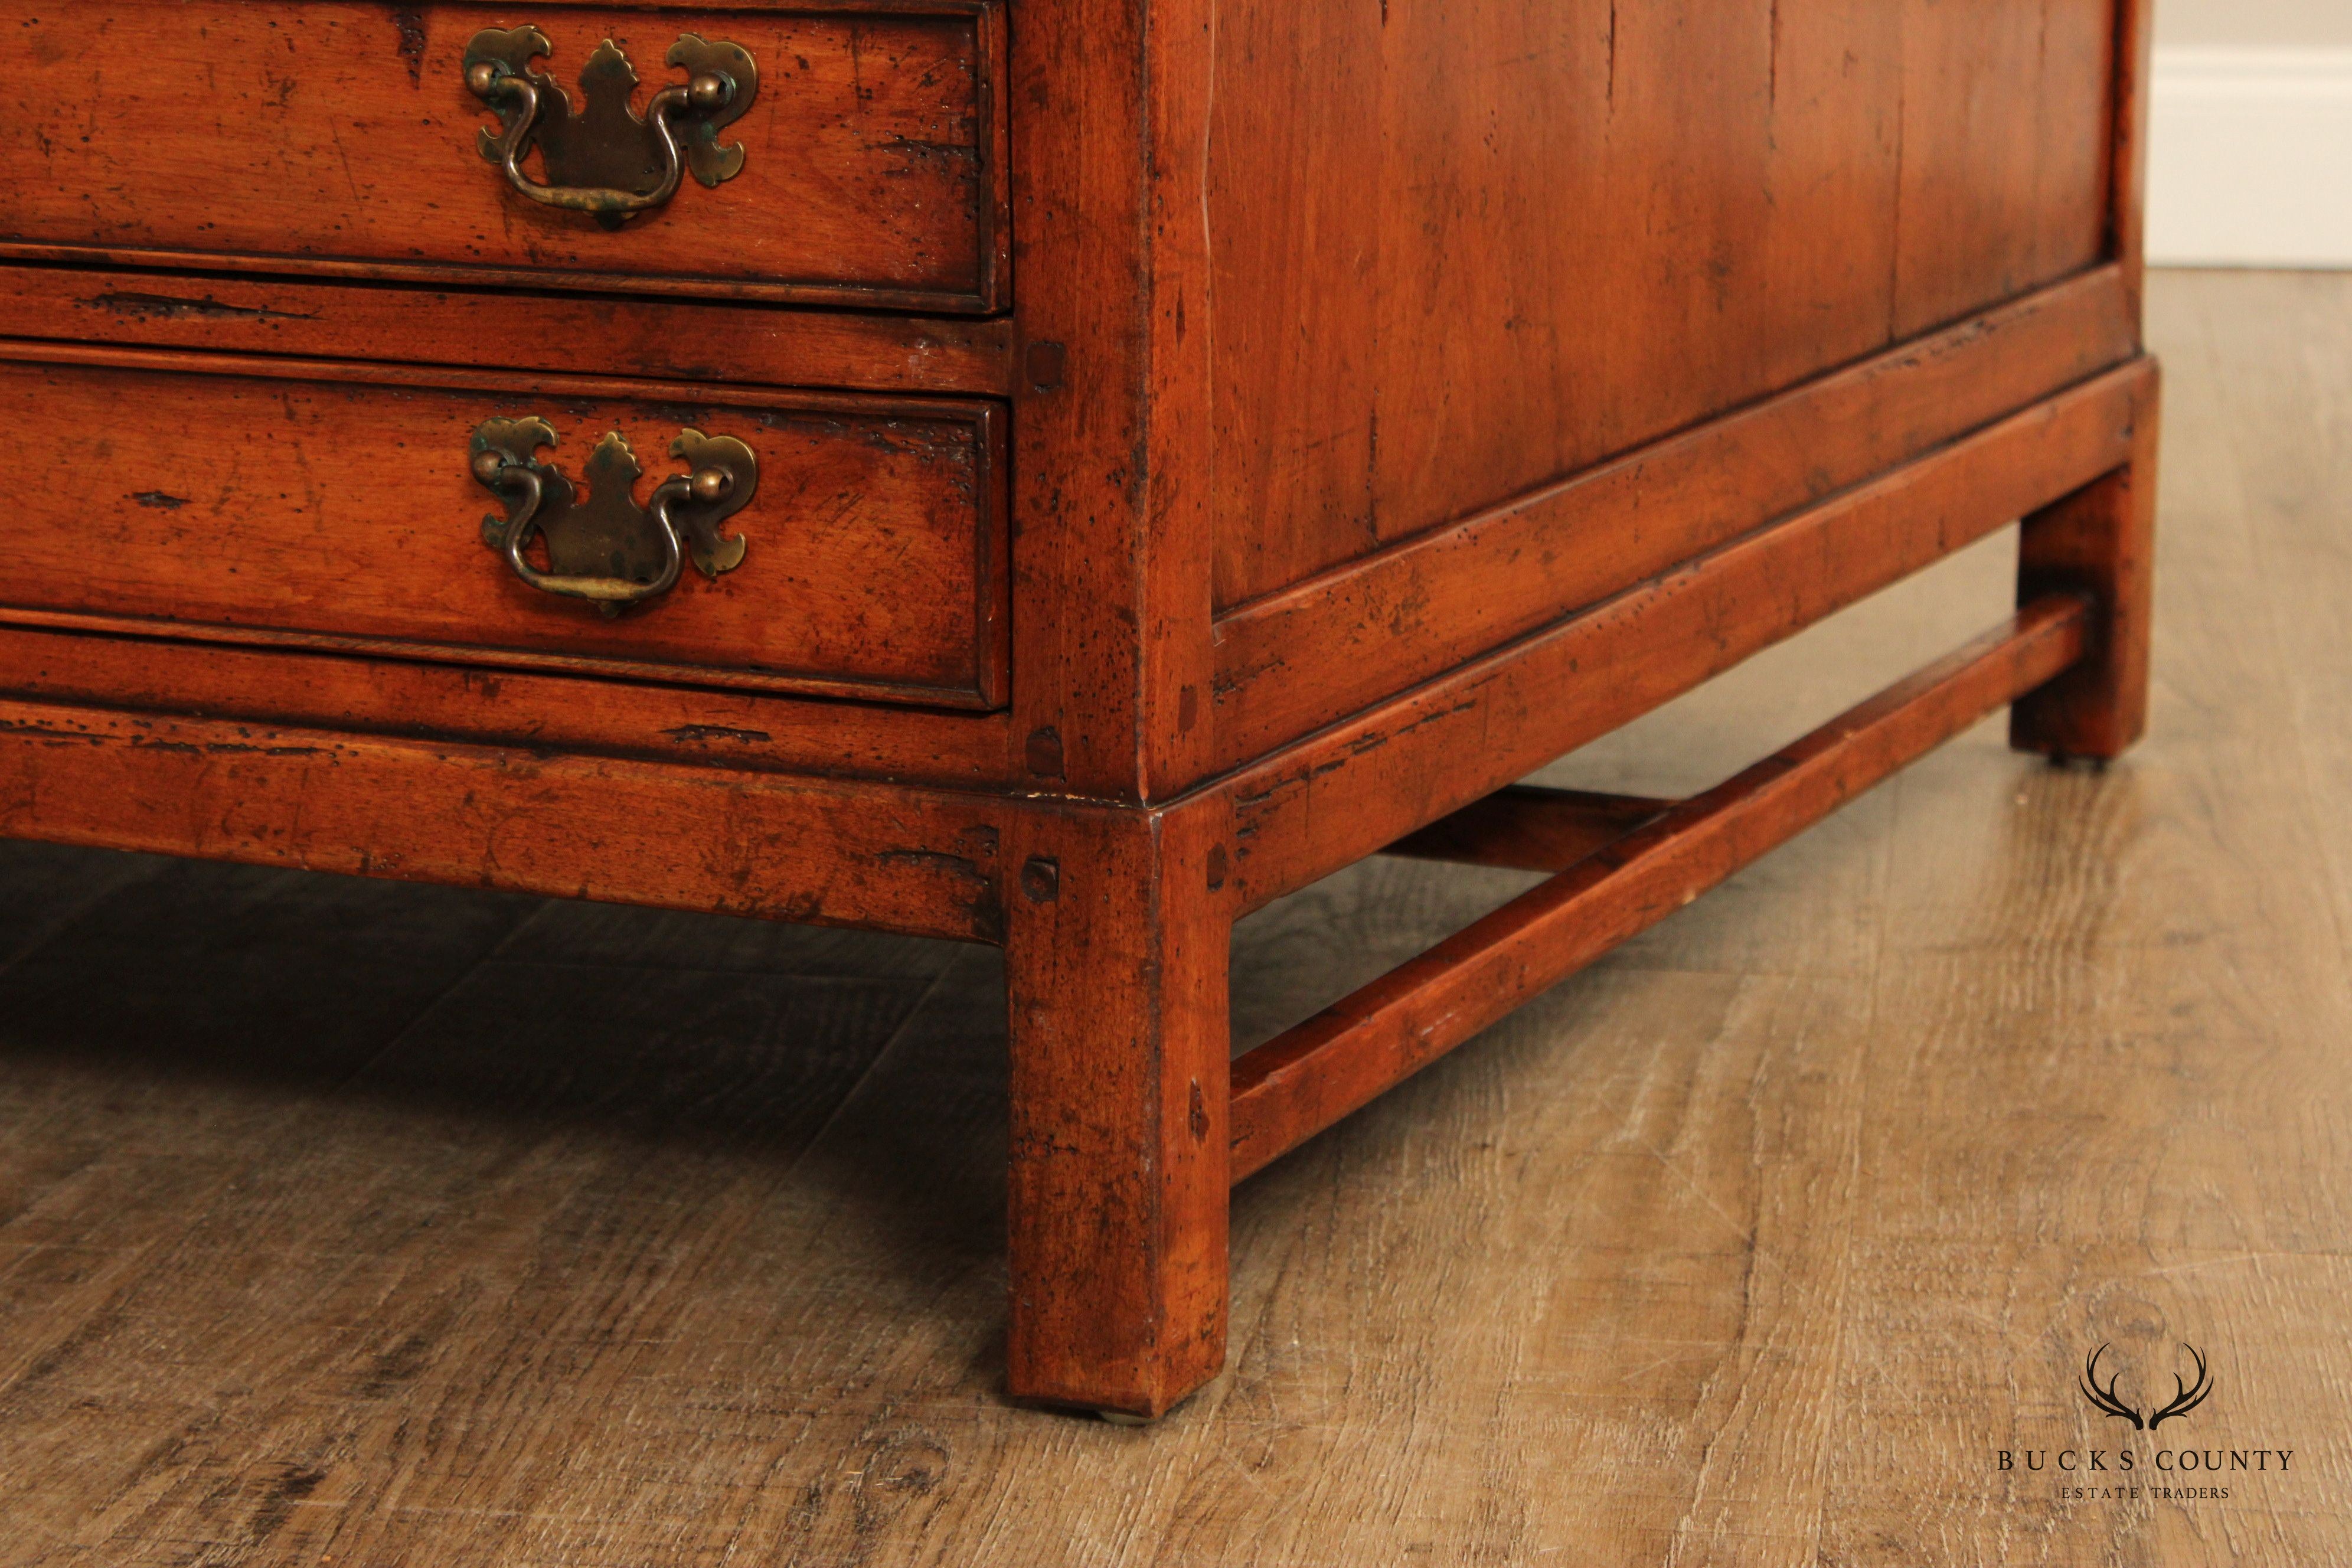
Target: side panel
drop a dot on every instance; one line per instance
(1464, 248)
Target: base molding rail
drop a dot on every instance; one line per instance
(1623, 866)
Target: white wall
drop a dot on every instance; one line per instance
(2250, 150)
(2244, 24)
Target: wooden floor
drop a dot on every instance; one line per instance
(373, 1224)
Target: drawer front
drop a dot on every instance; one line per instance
(345, 138)
(318, 505)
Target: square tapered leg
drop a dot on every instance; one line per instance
(1116, 964)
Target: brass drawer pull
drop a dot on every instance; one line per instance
(605, 159)
(608, 548)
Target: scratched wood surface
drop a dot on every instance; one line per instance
(342, 138)
(340, 506)
(1464, 250)
(674, 339)
(371, 1224)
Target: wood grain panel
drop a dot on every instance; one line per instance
(318, 505)
(339, 137)
(2006, 108)
(1823, 288)
(1464, 249)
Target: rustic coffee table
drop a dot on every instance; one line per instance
(1052, 473)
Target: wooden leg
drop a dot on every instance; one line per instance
(1115, 966)
(2099, 541)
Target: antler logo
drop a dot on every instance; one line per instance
(2187, 1396)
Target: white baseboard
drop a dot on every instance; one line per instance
(2250, 158)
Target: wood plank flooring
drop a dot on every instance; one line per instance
(363, 1224)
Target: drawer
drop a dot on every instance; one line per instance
(306, 504)
(344, 138)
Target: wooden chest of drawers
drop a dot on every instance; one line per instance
(1048, 473)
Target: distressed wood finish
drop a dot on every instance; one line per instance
(1674, 210)
(2099, 541)
(1526, 827)
(416, 1226)
(1301, 1082)
(336, 512)
(2127, 188)
(1110, 590)
(1341, 640)
(1395, 398)
(1114, 975)
(567, 827)
(1354, 788)
(662, 339)
(338, 138)
(314, 688)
